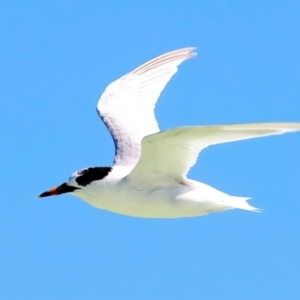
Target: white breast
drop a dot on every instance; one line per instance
(173, 202)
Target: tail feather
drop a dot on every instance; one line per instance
(241, 203)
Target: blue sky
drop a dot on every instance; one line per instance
(56, 58)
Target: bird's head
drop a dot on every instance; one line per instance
(78, 180)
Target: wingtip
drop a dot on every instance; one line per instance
(173, 58)
(190, 51)
(193, 51)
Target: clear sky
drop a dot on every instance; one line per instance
(56, 58)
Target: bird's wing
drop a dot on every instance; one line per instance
(127, 105)
(167, 156)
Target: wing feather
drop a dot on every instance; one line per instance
(167, 156)
(127, 105)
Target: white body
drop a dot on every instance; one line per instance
(187, 199)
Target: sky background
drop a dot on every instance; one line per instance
(56, 58)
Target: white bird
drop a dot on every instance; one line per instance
(148, 178)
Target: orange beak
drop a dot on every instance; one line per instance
(62, 189)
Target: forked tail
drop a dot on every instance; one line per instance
(241, 203)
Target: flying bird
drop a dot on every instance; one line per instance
(149, 176)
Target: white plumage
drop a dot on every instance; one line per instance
(148, 178)
(172, 153)
(127, 104)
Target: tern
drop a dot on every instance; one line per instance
(149, 176)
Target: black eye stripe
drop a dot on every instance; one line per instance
(92, 174)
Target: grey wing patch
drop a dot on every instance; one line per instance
(110, 129)
(124, 142)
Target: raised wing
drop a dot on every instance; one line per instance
(127, 105)
(167, 156)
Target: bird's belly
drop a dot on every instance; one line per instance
(175, 202)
